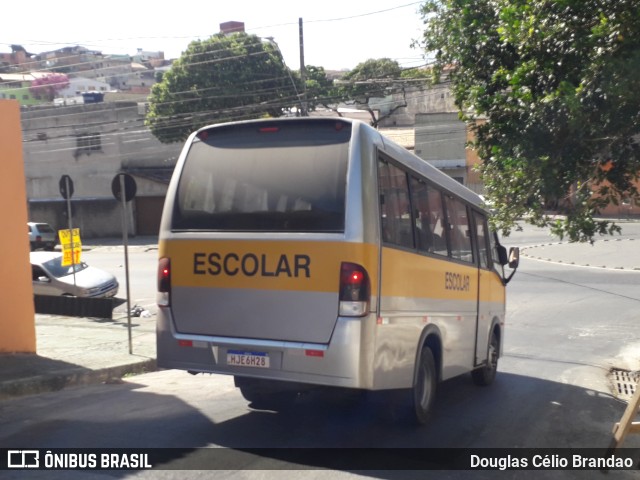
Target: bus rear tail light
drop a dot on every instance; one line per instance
(355, 290)
(164, 282)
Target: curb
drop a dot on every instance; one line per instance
(70, 378)
(534, 256)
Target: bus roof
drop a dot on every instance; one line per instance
(393, 149)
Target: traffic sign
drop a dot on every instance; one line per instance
(71, 245)
(66, 187)
(129, 187)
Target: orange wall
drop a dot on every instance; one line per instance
(17, 326)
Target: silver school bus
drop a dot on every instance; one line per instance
(315, 251)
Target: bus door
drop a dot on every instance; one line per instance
(461, 283)
(490, 289)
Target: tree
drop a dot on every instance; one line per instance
(552, 91)
(372, 79)
(49, 85)
(220, 79)
(319, 88)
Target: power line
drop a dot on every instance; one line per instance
(339, 19)
(97, 44)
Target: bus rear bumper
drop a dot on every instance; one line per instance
(338, 363)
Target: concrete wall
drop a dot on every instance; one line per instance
(437, 99)
(91, 143)
(17, 326)
(94, 218)
(441, 138)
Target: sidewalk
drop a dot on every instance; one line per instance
(79, 351)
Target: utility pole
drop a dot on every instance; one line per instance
(303, 73)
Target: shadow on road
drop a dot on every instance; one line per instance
(516, 412)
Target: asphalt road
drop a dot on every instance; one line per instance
(567, 328)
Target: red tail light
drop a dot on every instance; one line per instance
(355, 290)
(164, 280)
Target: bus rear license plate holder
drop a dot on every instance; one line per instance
(241, 358)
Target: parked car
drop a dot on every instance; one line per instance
(41, 235)
(51, 278)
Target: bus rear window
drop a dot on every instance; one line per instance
(290, 177)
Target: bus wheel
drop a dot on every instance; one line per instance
(486, 374)
(424, 388)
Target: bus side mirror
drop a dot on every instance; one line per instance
(514, 257)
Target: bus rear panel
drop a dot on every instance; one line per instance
(262, 276)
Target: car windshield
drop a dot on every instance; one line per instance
(54, 266)
(45, 228)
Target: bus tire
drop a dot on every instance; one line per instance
(485, 375)
(424, 387)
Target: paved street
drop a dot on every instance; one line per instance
(568, 327)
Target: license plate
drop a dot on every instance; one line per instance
(238, 358)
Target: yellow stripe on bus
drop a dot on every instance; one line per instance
(408, 275)
(315, 266)
(265, 265)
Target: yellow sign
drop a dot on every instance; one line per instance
(65, 237)
(65, 243)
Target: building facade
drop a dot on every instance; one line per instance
(92, 143)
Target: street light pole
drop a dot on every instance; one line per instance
(303, 71)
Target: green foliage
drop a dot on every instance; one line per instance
(319, 88)
(223, 78)
(416, 73)
(374, 78)
(552, 88)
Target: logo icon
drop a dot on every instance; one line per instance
(23, 459)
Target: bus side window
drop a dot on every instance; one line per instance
(495, 258)
(482, 234)
(427, 204)
(437, 222)
(395, 206)
(459, 230)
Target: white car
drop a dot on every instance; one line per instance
(41, 235)
(51, 278)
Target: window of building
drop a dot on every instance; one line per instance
(89, 142)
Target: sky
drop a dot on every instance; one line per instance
(337, 34)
